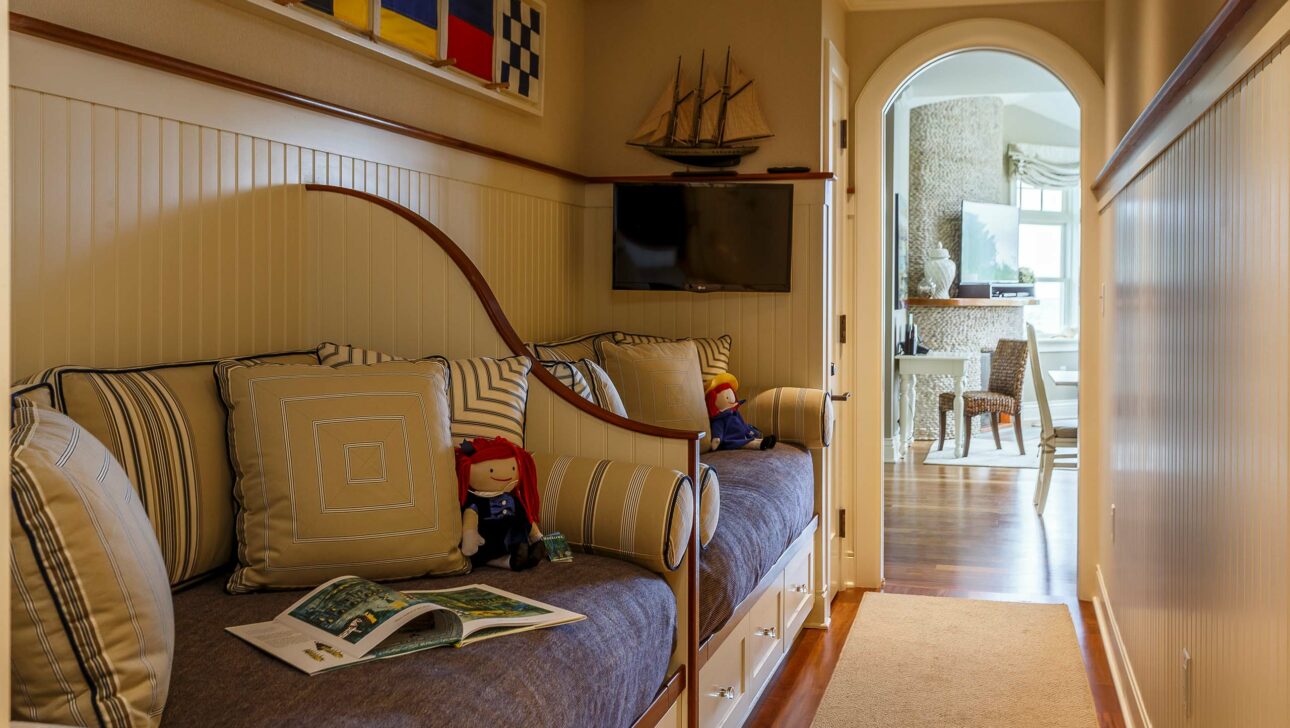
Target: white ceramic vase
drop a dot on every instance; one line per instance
(939, 270)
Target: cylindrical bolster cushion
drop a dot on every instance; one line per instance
(793, 414)
(637, 513)
(709, 503)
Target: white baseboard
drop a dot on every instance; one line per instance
(1126, 685)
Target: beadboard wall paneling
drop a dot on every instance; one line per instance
(140, 239)
(774, 343)
(1196, 558)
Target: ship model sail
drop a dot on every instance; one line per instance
(704, 126)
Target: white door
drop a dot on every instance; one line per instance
(839, 464)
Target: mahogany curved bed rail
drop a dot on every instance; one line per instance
(503, 325)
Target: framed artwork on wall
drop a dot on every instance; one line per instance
(493, 47)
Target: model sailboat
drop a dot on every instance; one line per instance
(704, 126)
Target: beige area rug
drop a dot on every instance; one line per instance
(937, 661)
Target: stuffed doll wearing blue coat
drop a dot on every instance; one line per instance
(729, 431)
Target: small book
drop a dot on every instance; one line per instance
(350, 620)
(557, 547)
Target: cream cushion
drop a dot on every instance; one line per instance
(93, 631)
(603, 391)
(166, 426)
(714, 353)
(660, 384)
(341, 471)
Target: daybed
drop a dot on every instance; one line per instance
(630, 662)
(760, 578)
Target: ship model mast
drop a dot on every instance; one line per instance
(704, 126)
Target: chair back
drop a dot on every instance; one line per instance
(1041, 391)
(1008, 368)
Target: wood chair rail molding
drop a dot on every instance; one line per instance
(1170, 94)
(500, 322)
(133, 54)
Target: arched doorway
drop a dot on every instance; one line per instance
(865, 562)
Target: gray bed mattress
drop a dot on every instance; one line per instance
(767, 498)
(604, 671)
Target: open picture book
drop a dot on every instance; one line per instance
(350, 620)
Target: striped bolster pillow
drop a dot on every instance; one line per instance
(709, 503)
(793, 414)
(638, 513)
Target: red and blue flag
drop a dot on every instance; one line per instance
(470, 36)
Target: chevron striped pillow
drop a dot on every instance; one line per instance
(488, 395)
(714, 354)
(571, 377)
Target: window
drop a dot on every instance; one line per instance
(1048, 244)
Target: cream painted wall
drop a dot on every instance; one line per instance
(872, 36)
(1145, 40)
(631, 49)
(223, 36)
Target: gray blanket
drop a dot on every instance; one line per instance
(603, 671)
(767, 498)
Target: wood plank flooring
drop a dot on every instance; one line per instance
(959, 532)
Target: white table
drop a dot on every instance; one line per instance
(909, 368)
(1064, 377)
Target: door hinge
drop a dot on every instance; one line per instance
(843, 131)
(842, 329)
(842, 523)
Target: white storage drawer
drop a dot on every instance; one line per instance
(798, 590)
(721, 683)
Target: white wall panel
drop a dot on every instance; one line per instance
(1200, 401)
(140, 239)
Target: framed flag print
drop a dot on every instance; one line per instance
(493, 48)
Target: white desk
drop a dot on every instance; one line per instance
(1064, 377)
(938, 362)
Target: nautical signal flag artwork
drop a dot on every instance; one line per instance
(350, 12)
(519, 48)
(470, 36)
(411, 24)
(499, 42)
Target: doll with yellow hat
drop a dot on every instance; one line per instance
(729, 431)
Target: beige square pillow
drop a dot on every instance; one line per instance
(341, 471)
(92, 625)
(660, 384)
(714, 353)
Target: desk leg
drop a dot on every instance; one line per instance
(906, 412)
(959, 429)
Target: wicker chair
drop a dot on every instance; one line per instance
(1007, 373)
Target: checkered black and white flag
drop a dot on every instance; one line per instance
(520, 26)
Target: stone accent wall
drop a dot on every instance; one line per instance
(964, 330)
(956, 153)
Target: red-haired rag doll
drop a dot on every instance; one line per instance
(497, 482)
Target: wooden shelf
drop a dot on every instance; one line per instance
(970, 302)
(750, 177)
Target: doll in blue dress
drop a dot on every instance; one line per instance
(729, 431)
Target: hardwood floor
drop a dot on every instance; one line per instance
(957, 532)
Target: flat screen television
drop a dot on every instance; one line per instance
(989, 250)
(703, 237)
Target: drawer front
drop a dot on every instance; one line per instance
(764, 635)
(798, 589)
(721, 682)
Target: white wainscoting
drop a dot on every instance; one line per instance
(1196, 556)
(138, 195)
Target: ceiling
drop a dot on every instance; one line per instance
(1018, 81)
(862, 5)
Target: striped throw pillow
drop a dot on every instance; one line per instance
(604, 394)
(93, 630)
(714, 354)
(572, 377)
(574, 349)
(167, 428)
(488, 395)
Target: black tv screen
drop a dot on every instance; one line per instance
(703, 237)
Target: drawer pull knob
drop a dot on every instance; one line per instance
(727, 692)
(767, 632)
(799, 588)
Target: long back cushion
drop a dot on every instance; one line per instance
(92, 623)
(167, 427)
